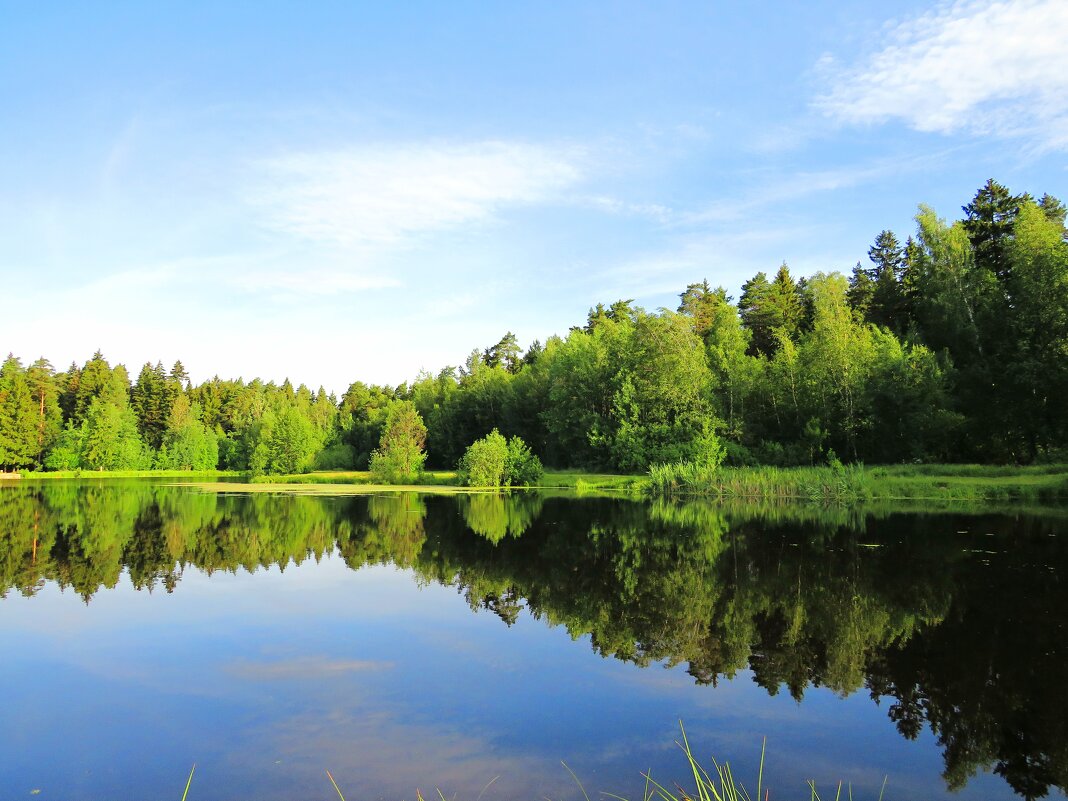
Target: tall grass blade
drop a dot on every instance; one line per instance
(189, 781)
(329, 776)
(760, 773)
(576, 778)
(491, 781)
(661, 790)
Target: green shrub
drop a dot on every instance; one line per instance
(494, 461)
(524, 468)
(485, 462)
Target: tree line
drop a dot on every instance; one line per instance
(949, 345)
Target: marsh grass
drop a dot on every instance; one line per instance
(841, 484)
(848, 484)
(95, 474)
(717, 783)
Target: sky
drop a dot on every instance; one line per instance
(346, 191)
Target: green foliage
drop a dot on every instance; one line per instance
(498, 516)
(18, 418)
(523, 467)
(401, 451)
(110, 437)
(187, 443)
(837, 483)
(485, 462)
(953, 345)
(493, 461)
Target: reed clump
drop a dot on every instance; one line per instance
(849, 484)
(837, 483)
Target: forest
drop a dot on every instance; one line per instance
(948, 345)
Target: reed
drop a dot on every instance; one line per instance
(850, 484)
(840, 483)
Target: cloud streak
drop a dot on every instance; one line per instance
(981, 67)
(388, 195)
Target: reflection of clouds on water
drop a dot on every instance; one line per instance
(305, 667)
(292, 645)
(376, 753)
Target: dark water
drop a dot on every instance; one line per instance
(408, 642)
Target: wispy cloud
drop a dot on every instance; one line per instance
(613, 205)
(792, 186)
(723, 259)
(309, 667)
(984, 67)
(389, 194)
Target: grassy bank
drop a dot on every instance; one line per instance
(550, 480)
(850, 484)
(95, 474)
(856, 483)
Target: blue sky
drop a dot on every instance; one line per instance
(341, 191)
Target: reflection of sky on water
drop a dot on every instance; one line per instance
(267, 679)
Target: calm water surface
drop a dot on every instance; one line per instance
(408, 642)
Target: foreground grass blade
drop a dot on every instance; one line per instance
(189, 781)
(329, 776)
(576, 778)
(760, 774)
(491, 781)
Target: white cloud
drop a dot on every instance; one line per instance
(613, 205)
(386, 195)
(982, 67)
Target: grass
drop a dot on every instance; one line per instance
(94, 474)
(836, 484)
(855, 483)
(431, 478)
(846, 485)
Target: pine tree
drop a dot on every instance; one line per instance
(988, 220)
(18, 418)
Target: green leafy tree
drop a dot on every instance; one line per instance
(523, 467)
(291, 443)
(1037, 367)
(111, 440)
(716, 322)
(485, 462)
(362, 417)
(493, 461)
(401, 451)
(187, 443)
(662, 411)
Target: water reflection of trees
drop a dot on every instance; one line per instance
(969, 643)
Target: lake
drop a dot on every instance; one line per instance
(473, 643)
